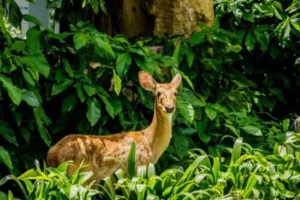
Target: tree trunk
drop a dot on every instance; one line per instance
(141, 18)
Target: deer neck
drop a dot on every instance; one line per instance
(159, 133)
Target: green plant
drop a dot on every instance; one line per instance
(53, 183)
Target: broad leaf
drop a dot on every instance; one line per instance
(32, 19)
(91, 91)
(181, 144)
(117, 83)
(93, 112)
(108, 106)
(210, 112)
(262, 40)
(197, 38)
(105, 49)
(190, 56)
(28, 77)
(8, 134)
(13, 92)
(201, 126)
(69, 103)
(80, 92)
(26, 134)
(178, 53)
(5, 157)
(18, 46)
(41, 121)
(37, 62)
(68, 68)
(80, 40)
(278, 94)
(61, 86)
(122, 64)
(30, 98)
(186, 109)
(250, 41)
(252, 130)
(33, 40)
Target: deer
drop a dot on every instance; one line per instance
(97, 151)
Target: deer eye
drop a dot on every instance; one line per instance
(158, 94)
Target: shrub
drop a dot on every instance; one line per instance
(241, 173)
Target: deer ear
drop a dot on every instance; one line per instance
(176, 81)
(146, 81)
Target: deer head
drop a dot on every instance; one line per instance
(165, 93)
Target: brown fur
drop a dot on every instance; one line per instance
(98, 151)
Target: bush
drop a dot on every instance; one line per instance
(242, 173)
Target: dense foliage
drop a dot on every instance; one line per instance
(241, 78)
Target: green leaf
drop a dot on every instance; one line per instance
(178, 53)
(186, 109)
(61, 86)
(278, 94)
(233, 48)
(41, 120)
(187, 79)
(26, 134)
(250, 41)
(131, 160)
(3, 196)
(32, 19)
(117, 105)
(37, 62)
(80, 40)
(197, 38)
(30, 98)
(211, 113)
(14, 14)
(18, 46)
(248, 16)
(211, 64)
(33, 40)
(91, 91)
(190, 56)
(10, 195)
(108, 106)
(236, 151)
(68, 68)
(286, 124)
(102, 6)
(181, 144)
(201, 126)
(295, 22)
(5, 157)
(117, 83)
(252, 130)
(80, 92)
(93, 112)
(278, 5)
(105, 49)
(28, 77)
(8, 134)
(262, 40)
(122, 64)
(13, 92)
(69, 103)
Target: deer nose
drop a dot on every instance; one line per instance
(169, 108)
